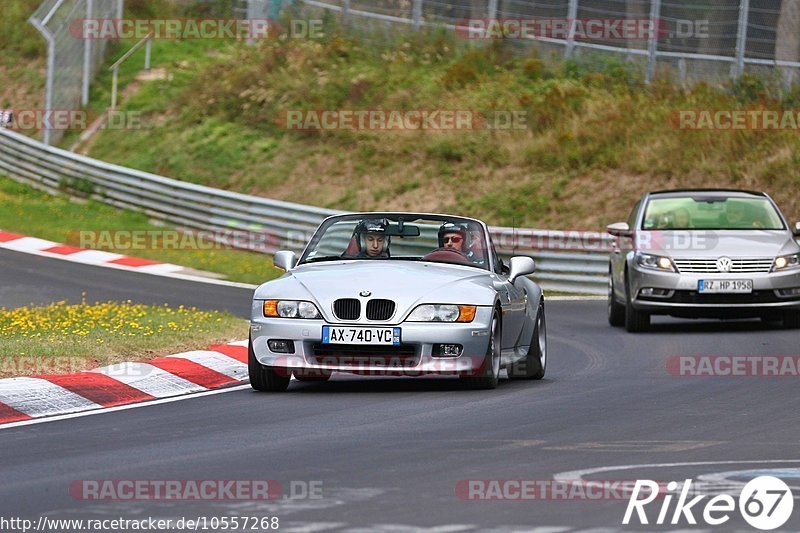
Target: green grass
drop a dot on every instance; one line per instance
(596, 136)
(595, 139)
(58, 218)
(18, 39)
(63, 337)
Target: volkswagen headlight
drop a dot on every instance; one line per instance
(786, 262)
(656, 262)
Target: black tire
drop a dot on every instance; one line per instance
(791, 319)
(266, 378)
(616, 311)
(635, 321)
(535, 363)
(489, 373)
(312, 375)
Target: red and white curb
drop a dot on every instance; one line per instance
(26, 398)
(21, 243)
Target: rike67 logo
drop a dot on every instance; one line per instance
(765, 503)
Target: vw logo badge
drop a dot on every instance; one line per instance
(724, 264)
(365, 293)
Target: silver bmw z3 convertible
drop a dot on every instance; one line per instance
(405, 294)
(704, 253)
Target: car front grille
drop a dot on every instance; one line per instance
(347, 309)
(378, 309)
(739, 266)
(363, 355)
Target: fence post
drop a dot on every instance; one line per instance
(572, 14)
(51, 65)
(147, 52)
(652, 44)
(87, 58)
(345, 11)
(114, 85)
(741, 38)
(416, 14)
(492, 9)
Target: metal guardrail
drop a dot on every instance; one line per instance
(566, 261)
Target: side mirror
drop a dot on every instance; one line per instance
(619, 229)
(520, 266)
(285, 260)
(797, 229)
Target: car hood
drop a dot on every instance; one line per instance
(714, 244)
(408, 283)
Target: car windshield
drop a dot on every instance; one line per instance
(407, 237)
(711, 213)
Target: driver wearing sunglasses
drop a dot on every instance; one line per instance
(453, 236)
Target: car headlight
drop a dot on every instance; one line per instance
(443, 313)
(290, 309)
(785, 262)
(656, 262)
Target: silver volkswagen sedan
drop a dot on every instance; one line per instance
(403, 294)
(704, 253)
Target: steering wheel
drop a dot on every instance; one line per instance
(447, 255)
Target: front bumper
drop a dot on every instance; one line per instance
(682, 297)
(415, 356)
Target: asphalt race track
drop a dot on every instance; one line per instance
(388, 454)
(29, 279)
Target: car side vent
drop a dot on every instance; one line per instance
(347, 308)
(378, 309)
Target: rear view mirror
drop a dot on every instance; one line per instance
(797, 229)
(520, 266)
(395, 230)
(285, 260)
(619, 229)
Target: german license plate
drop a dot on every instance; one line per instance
(357, 335)
(725, 286)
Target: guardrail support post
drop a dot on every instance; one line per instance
(87, 59)
(416, 14)
(492, 10)
(741, 38)
(652, 44)
(345, 11)
(572, 14)
(114, 82)
(147, 51)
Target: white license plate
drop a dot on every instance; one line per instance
(725, 286)
(357, 335)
